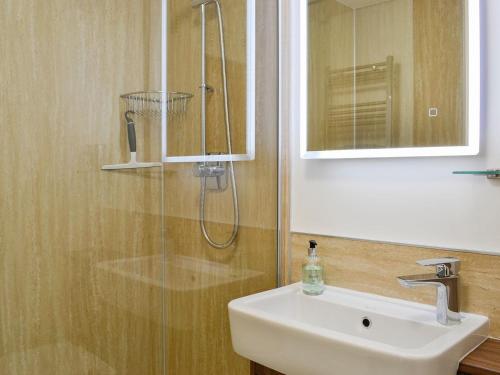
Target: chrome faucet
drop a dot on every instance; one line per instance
(446, 280)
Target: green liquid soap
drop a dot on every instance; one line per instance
(312, 272)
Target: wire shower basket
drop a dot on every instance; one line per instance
(152, 103)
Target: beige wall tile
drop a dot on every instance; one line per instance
(373, 267)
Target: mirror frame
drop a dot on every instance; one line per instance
(250, 93)
(473, 99)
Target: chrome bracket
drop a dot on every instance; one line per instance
(207, 88)
(493, 174)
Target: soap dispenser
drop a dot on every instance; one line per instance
(312, 272)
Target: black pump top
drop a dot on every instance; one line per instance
(312, 248)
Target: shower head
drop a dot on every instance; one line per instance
(197, 3)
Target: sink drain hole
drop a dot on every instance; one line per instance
(367, 323)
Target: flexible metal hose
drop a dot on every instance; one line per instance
(236, 222)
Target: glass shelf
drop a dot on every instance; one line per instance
(490, 173)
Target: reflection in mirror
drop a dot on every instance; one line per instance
(387, 74)
(217, 67)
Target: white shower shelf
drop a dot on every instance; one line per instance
(134, 164)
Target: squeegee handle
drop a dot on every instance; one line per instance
(132, 141)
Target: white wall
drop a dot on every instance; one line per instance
(414, 200)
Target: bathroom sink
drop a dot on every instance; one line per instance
(349, 333)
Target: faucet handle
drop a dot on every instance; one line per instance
(444, 266)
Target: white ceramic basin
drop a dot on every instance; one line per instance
(297, 334)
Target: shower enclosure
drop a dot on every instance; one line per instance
(129, 270)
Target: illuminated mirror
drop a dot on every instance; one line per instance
(389, 78)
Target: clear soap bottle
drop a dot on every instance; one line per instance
(312, 272)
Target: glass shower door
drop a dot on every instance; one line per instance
(108, 271)
(81, 285)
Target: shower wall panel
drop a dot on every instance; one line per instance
(201, 280)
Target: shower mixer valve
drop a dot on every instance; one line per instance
(210, 169)
(215, 173)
